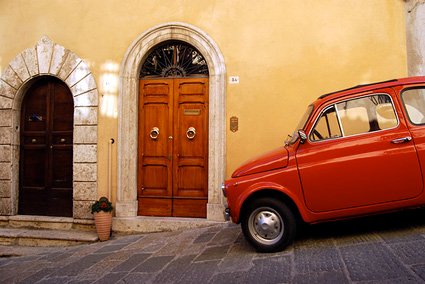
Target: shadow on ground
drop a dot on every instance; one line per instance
(380, 224)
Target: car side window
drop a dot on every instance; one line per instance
(327, 126)
(367, 114)
(356, 116)
(414, 103)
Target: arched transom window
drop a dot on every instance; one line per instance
(175, 59)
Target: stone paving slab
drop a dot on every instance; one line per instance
(382, 249)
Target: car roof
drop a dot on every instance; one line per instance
(373, 86)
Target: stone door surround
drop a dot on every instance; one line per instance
(126, 205)
(47, 58)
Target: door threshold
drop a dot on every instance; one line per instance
(148, 224)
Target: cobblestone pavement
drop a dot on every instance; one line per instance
(381, 249)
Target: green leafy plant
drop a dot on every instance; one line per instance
(103, 204)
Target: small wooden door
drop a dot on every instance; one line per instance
(173, 147)
(45, 179)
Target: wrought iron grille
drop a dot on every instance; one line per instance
(175, 59)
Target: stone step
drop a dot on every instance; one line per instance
(45, 222)
(25, 230)
(37, 237)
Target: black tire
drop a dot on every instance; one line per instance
(278, 225)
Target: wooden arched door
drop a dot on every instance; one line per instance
(173, 132)
(46, 138)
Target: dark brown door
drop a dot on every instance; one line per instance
(45, 179)
(173, 147)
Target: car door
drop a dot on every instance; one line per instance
(413, 101)
(359, 152)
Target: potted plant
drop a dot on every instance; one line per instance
(102, 210)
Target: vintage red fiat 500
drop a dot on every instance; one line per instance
(355, 152)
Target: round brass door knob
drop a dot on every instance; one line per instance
(154, 133)
(191, 133)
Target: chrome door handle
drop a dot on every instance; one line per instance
(401, 140)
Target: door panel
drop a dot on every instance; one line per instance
(178, 158)
(34, 165)
(188, 207)
(191, 153)
(46, 150)
(154, 158)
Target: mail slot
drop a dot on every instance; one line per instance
(192, 112)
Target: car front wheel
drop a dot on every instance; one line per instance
(269, 225)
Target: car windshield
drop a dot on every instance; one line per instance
(294, 137)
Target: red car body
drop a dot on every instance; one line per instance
(361, 151)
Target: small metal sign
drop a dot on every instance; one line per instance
(192, 111)
(234, 80)
(234, 124)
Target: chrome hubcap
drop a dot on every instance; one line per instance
(266, 225)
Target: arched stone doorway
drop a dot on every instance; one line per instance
(127, 205)
(49, 59)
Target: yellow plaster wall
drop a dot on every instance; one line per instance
(285, 52)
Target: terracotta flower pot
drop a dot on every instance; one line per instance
(103, 222)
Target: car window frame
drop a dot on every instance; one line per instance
(333, 104)
(404, 104)
(325, 109)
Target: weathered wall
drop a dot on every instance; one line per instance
(285, 53)
(415, 31)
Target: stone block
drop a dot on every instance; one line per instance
(85, 153)
(85, 190)
(215, 212)
(5, 117)
(82, 209)
(5, 206)
(85, 172)
(85, 85)
(5, 188)
(85, 134)
(58, 58)
(30, 58)
(44, 53)
(90, 98)
(6, 90)
(71, 61)
(85, 115)
(5, 103)
(127, 208)
(5, 171)
(5, 135)
(10, 77)
(78, 74)
(18, 65)
(5, 153)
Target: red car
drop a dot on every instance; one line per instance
(355, 152)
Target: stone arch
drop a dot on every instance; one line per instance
(128, 112)
(47, 58)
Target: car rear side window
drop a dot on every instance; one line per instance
(356, 116)
(414, 103)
